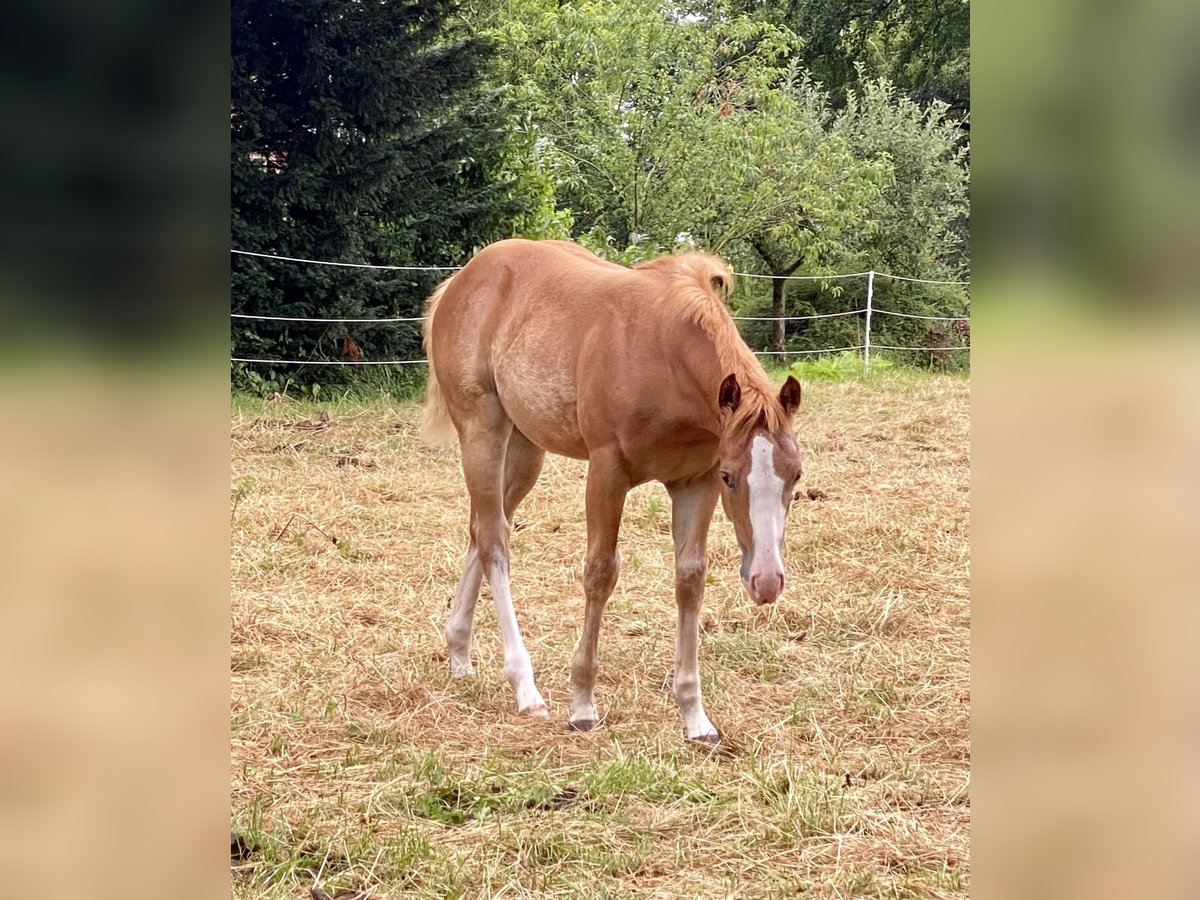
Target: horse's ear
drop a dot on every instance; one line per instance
(722, 284)
(731, 393)
(789, 396)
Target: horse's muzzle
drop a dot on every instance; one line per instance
(764, 588)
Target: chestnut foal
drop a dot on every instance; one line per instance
(539, 346)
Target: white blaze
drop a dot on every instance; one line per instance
(766, 507)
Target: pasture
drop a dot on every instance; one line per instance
(358, 765)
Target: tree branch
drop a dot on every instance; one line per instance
(757, 244)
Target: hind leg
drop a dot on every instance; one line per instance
(484, 436)
(462, 613)
(522, 465)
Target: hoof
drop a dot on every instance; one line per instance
(462, 672)
(708, 740)
(537, 711)
(583, 725)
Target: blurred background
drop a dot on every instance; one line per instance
(1086, 431)
(114, 457)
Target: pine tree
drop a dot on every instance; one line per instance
(360, 132)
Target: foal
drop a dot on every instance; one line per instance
(539, 346)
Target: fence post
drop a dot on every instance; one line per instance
(867, 329)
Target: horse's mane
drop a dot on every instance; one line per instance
(699, 291)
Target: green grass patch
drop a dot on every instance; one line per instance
(753, 654)
(881, 697)
(443, 796)
(641, 778)
(806, 803)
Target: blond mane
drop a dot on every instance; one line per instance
(699, 291)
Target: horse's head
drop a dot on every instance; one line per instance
(759, 467)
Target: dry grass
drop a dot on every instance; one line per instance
(360, 766)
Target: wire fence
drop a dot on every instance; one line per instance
(867, 311)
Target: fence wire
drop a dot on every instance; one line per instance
(869, 309)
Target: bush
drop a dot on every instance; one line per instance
(838, 367)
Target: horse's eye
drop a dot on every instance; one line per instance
(727, 478)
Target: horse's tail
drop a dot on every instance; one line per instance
(436, 425)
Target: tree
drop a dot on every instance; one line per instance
(656, 124)
(921, 46)
(360, 131)
(822, 193)
(667, 129)
(912, 225)
(669, 126)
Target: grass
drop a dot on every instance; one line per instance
(359, 766)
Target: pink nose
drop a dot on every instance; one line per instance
(766, 588)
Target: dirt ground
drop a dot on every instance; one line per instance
(358, 765)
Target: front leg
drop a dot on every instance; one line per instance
(607, 486)
(692, 508)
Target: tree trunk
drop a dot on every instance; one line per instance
(779, 269)
(778, 310)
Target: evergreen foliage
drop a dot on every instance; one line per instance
(360, 131)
